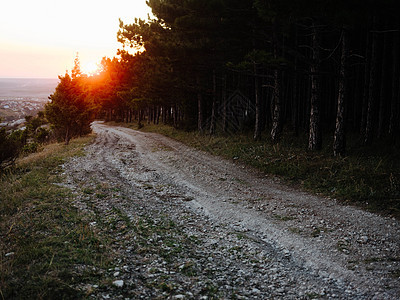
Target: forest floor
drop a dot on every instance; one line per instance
(183, 224)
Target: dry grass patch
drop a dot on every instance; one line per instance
(46, 247)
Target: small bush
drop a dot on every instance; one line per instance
(10, 146)
(30, 148)
(42, 135)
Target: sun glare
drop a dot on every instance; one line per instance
(29, 47)
(90, 68)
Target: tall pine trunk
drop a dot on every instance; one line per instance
(175, 115)
(364, 107)
(164, 114)
(67, 135)
(295, 97)
(315, 139)
(276, 113)
(214, 105)
(371, 99)
(339, 141)
(224, 106)
(257, 125)
(199, 106)
(382, 128)
(276, 130)
(140, 118)
(395, 87)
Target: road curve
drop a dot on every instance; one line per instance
(256, 237)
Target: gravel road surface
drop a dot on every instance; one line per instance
(187, 225)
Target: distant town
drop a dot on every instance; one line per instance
(20, 97)
(13, 110)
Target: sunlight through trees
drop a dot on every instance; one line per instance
(321, 69)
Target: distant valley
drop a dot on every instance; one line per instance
(20, 97)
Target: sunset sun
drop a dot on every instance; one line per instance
(90, 68)
(41, 41)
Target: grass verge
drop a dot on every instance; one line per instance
(47, 248)
(368, 177)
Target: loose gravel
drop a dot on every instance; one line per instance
(183, 224)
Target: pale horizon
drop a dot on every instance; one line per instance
(41, 39)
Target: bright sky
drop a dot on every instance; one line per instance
(40, 38)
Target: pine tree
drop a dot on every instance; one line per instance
(69, 111)
(339, 143)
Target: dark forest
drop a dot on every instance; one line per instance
(328, 69)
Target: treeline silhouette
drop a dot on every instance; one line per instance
(316, 68)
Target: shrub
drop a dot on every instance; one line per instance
(30, 148)
(10, 146)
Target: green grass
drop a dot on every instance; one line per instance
(368, 177)
(46, 245)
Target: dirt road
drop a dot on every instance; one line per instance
(187, 225)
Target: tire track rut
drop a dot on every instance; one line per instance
(236, 233)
